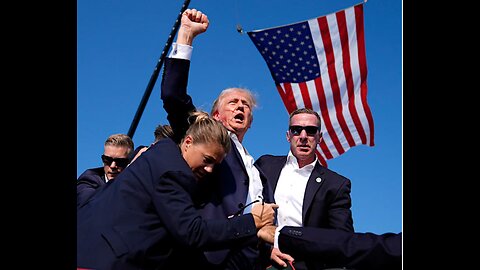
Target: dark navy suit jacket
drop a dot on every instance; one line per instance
(88, 182)
(334, 247)
(327, 201)
(227, 188)
(136, 221)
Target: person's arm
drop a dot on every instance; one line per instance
(178, 214)
(269, 235)
(87, 184)
(339, 212)
(176, 102)
(337, 248)
(193, 23)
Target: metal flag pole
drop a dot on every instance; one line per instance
(156, 71)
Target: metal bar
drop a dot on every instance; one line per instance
(156, 71)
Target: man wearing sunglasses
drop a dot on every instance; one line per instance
(115, 159)
(307, 193)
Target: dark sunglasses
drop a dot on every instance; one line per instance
(296, 130)
(121, 162)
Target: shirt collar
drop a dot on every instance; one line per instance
(233, 136)
(238, 144)
(292, 160)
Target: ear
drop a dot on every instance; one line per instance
(288, 136)
(187, 142)
(320, 138)
(216, 115)
(251, 121)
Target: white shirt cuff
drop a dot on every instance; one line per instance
(181, 51)
(275, 240)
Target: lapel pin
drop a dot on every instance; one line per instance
(318, 179)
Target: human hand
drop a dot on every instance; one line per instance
(279, 258)
(267, 233)
(263, 214)
(193, 22)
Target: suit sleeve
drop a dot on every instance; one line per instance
(176, 102)
(86, 187)
(336, 248)
(339, 213)
(183, 221)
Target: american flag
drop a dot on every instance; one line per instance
(321, 64)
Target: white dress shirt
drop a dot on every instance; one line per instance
(181, 51)
(255, 186)
(289, 193)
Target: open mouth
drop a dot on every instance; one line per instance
(239, 118)
(303, 148)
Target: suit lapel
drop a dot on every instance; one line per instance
(240, 181)
(277, 167)
(103, 178)
(236, 155)
(315, 181)
(269, 175)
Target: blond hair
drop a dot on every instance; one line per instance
(163, 131)
(120, 140)
(204, 129)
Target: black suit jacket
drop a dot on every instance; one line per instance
(227, 188)
(88, 182)
(136, 221)
(327, 201)
(332, 247)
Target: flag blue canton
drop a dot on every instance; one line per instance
(289, 52)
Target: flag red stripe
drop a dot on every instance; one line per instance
(327, 72)
(363, 68)
(305, 96)
(322, 161)
(326, 119)
(368, 113)
(347, 69)
(287, 97)
(332, 74)
(325, 150)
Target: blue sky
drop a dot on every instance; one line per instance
(120, 41)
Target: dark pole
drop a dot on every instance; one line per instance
(155, 73)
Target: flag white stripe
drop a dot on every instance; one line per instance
(322, 58)
(312, 91)
(298, 95)
(354, 115)
(342, 83)
(320, 51)
(355, 63)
